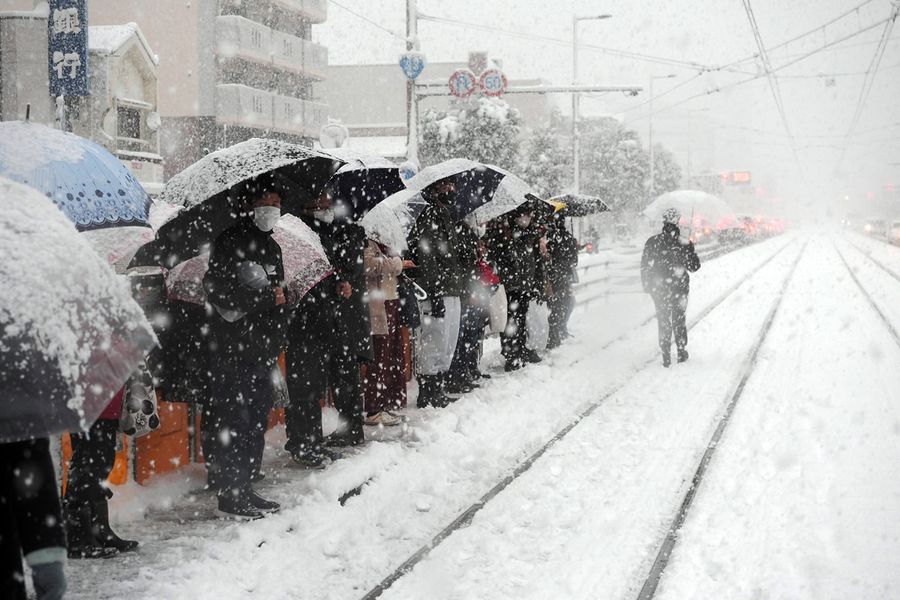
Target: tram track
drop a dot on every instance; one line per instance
(466, 517)
(664, 552)
(890, 326)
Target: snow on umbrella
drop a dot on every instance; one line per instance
(364, 181)
(580, 205)
(212, 190)
(305, 264)
(70, 332)
(485, 191)
(690, 203)
(91, 186)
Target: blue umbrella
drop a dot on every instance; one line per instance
(88, 184)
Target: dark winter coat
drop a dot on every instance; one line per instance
(563, 250)
(259, 335)
(433, 247)
(30, 514)
(352, 314)
(666, 262)
(515, 255)
(468, 257)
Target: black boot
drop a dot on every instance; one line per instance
(426, 391)
(667, 358)
(80, 535)
(682, 355)
(104, 533)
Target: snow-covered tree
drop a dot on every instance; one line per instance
(482, 129)
(667, 172)
(546, 164)
(614, 165)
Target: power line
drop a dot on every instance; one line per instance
(871, 73)
(561, 42)
(773, 81)
(368, 20)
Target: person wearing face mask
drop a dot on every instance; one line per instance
(665, 264)
(433, 248)
(514, 251)
(327, 337)
(244, 284)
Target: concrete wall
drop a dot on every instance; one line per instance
(23, 69)
(172, 28)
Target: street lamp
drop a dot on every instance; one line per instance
(576, 174)
(650, 131)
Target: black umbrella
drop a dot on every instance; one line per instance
(70, 332)
(475, 183)
(215, 191)
(364, 181)
(580, 205)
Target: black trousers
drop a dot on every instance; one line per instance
(93, 457)
(513, 340)
(468, 344)
(30, 515)
(308, 359)
(346, 385)
(560, 305)
(235, 423)
(670, 318)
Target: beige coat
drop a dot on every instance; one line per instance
(381, 282)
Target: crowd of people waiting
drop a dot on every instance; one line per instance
(344, 339)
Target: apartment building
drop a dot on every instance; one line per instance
(229, 70)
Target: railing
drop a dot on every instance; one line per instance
(243, 105)
(314, 10)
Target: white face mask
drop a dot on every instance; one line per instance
(265, 217)
(325, 215)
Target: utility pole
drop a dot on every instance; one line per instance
(412, 101)
(576, 99)
(650, 133)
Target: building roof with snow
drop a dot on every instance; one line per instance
(115, 39)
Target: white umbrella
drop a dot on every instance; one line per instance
(691, 204)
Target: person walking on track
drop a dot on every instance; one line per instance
(665, 265)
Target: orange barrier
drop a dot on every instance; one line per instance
(167, 448)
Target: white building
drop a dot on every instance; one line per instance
(229, 70)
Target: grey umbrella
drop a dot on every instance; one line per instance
(70, 332)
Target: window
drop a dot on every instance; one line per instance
(256, 38)
(129, 122)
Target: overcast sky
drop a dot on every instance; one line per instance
(734, 129)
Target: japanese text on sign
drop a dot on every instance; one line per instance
(67, 48)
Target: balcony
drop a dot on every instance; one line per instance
(243, 106)
(315, 114)
(315, 59)
(314, 10)
(289, 115)
(241, 38)
(237, 37)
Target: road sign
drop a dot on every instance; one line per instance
(493, 82)
(67, 30)
(412, 64)
(463, 83)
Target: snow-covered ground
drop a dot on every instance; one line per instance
(800, 501)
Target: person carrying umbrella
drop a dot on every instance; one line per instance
(665, 265)
(562, 248)
(433, 248)
(244, 285)
(513, 248)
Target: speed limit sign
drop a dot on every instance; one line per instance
(492, 82)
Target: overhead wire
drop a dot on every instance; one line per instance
(368, 20)
(773, 81)
(871, 73)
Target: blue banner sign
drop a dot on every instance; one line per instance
(67, 32)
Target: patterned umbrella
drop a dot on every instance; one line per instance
(88, 184)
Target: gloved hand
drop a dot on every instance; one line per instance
(437, 307)
(49, 580)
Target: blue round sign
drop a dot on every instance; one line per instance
(412, 64)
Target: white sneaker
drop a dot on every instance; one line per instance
(383, 418)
